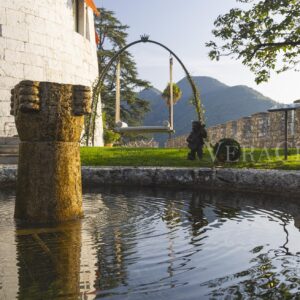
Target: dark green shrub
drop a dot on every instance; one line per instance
(227, 150)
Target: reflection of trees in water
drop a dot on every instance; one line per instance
(261, 281)
(228, 204)
(173, 213)
(274, 274)
(194, 207)
(286, 205)
(49, 258)
(226, 213)
(263, 278)
(115, 239)
(49, 261)
(196, 214)
(111, 268)
(172, 217)
(204, 208)
(285, 219)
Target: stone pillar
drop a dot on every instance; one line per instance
(49, 119)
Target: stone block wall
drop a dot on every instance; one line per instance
(38, 41)
(243, 130)
(264, 129)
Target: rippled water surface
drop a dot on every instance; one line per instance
(145, 244)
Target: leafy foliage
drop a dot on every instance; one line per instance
(113, 37)
(265, 37)
(110, 136)
(177, 93)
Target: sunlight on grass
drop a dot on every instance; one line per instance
(254, 158)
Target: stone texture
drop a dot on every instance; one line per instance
(260, 130)
(250, 180)
(262, 181)
(49, 119)
(39, 42)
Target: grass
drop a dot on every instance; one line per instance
(160, 157)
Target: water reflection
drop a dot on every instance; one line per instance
(156, 244)
(49, 261)
(188, 216)
(109, 232)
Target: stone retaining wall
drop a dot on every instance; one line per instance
(259, 130)
(262, 181)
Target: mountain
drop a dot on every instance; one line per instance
(221, 102)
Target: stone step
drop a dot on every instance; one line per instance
(9, 159)
(9, 149)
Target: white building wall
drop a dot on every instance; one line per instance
(38, 42)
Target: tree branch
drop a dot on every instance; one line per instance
(278, 44)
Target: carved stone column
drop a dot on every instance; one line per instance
(49, 119)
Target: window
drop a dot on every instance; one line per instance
(87, 22)
(76, 14)
(80, 17)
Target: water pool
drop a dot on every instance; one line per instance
(156, 244)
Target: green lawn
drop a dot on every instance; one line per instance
(255, 158)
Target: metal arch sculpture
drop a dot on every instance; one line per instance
(97, 88)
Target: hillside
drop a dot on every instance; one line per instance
(222, 103)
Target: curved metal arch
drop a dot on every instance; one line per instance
(145, 39)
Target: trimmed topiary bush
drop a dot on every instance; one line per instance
(227, 150)
(177, 93)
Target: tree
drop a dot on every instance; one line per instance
(265, 37)
(113, 35)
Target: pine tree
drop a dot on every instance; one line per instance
(113, 35)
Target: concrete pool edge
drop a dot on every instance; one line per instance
(265, 181)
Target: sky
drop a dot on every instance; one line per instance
(185, 27)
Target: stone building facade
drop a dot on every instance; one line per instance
(45, 40)
(264, 129)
